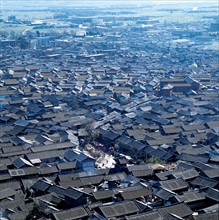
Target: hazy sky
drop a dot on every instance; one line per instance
(18, 4)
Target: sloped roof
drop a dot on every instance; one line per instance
(164, 193)
(76, 213)
(145, 216)
(204, 182)
(91, 180)
(103, 194)
(70, 155)
(20, 162)
(135, 192)
(12, 185)
(212, 194)
(45, 155)
(60, 191)
(192, 158)
(180, 209)
(111, 135)
(5, 193)
(201, 166)
(209, 216)
(41, 185)
(54, 146)
(186, 174)
(142, 173)
(48, 170)
(67, 166)
(74, 193)
(191, 196)
(174, 184)
(212, 173)
(82, 157)
(22, 123)
(124, 140)
(119, 209)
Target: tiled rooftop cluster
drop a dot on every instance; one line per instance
(117, 122)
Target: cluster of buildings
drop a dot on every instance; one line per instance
(145, 93)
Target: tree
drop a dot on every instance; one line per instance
(23, 43)
(37, 33)
(92, 133)
(154, 160)
(35, 213)
(75, 105)
(12, 33)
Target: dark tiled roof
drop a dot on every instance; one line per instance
(163, 175)
(208, 216)
(76, 213)
(186, 174)
(103, 194)
(201, 166)
(135, 192)
(67, 166)
(45, 155)
(145, 216)
(164, 194)
(193, 158)
(48, 170)
(110, 135)
(158, 142)
(71, 183)
(12, 185)
(5, 193)
(124, 140)
(180, 209)
(212, 173)
(212, 194)
(212, 208)
(192, 196)
(185, 165)
(82, 157)
(204, 182)
(41, 185)
(174, 184)
(56, 146)
(142, 173)
(60, 191)
(119, 209)
(91, 180)
(74, 193)
(18, 215)
(138, 146)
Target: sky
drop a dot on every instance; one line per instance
(19, 4)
